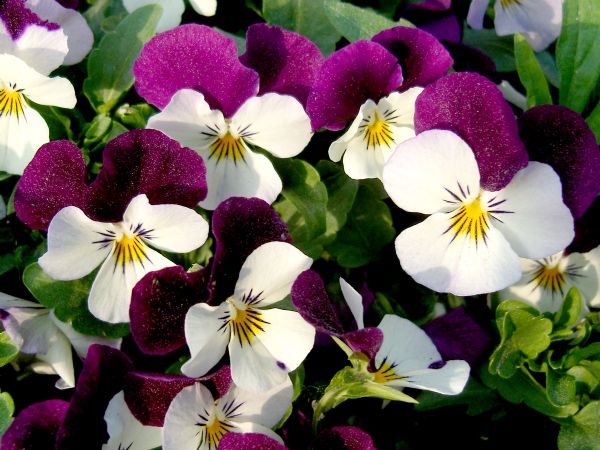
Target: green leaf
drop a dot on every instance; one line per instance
(499, 48)
(476, 396)
(341, 192)
(577, 355)
(303, 205)
(7, 409)
(59, 124)
(367, 231)
(561, 388)
(134, 116)
(582, 431)
(306, 17)
(548, 65)
(587, 375)
(577, 53)
(97, 14)
(68, 299)
(109, 66)
(531, 74)
(570, 310)
(593, 120)
(356, 23)
(8, 349)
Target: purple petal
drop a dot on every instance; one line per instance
(102, 376)
(146, 162)
(349, 77)
(312, 302)
(473, 107)
(54, 179)
(72, 4)
(159, 303)
(457, 336)
(148, 396)
(241, 225)
(196, 57)
(36, 426)
(366, 340)
(286, 62)
(17, 18)
(560, 137)
(249, 441)
(343, 438)
(423, 58)
(219, 381)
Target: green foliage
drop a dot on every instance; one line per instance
(531, 73)
(110, 65)
(367, 231)
(303, 204)
(7, 409)
(68, 299)
(306, 17)
(582, 431)
(477, 397)
(499, 48)
(577, 53)
(8, 350)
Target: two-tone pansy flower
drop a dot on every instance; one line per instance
(208, 97)
(140, 199)
(374, 84)
(540, 21)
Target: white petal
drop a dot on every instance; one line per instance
(354, 301)
(265, 408)
(422, 171)
(20, 139)
(253, 368)
(79, 35)
(428, 254)
(338, 147)
(8, 301)
(110, 294)
(42, 49)
(206, 338)
(269, 271)
(277, 123)
(187, 119)
(173, 228)
(361, 162)
(448, 380)
(171, 11)
(539, 20)
(539, 224)
(59, 357)
(180, 431)
(476, 13)
(204, 7)
(29, 328)
(82, 342)
(72, 251)
(288, 337)
(125, 431)
(403, 106)
(589, 286)
(255, 176)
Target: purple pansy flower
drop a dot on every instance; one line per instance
(209, 103)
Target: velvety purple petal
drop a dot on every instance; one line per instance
(343, 438)
(312, 302)
(195, 57)
(149, 395)
(349, 77)
(241, 225)
(159, 303)
(17, 18)
(422, 57)
(366, 340)
(457, 336)
(471, 59)
(249, 441)
(36, 426)
(73, 4)
(286, 62)
(54, 179)
(102, 376)
(560, 137)
(433, 5)
(586, 230)
(473, 107)
(145, 162)
(219, 381)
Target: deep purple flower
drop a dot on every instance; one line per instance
(16, 18)
(249, 441)
(343, 438)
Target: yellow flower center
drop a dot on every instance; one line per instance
(470, 220)
(386, 373)
(212, 433)
(246, 323)
(11, 102)
(129, 249)
(227, 147)
(507, 3)
(550, 278)
(377, 132)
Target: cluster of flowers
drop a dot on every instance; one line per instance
(447, 146)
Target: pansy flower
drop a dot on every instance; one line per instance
(209, 103)
(197, 421)
(471, 242)
(545, 282)
(359, 83)
(22, 128)
(264, 343)
(540, 21)
(36, 331)
(139, 200)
